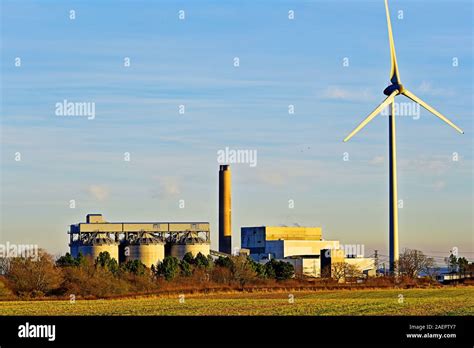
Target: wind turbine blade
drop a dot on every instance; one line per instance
(413, 97)
(394, 76)
(374, 113)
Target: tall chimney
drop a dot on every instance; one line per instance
(225, 210)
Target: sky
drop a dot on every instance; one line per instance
(331, 62)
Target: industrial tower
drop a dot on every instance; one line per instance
(225, 210)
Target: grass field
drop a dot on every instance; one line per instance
(443, 301)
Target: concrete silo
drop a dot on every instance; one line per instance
(192, 243)
(147, 248)
(97, 244)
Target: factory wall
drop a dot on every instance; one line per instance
(287, 248)
(280, 249)
(100, 227)
(94, 218)
(253, 238)
(365, 264)
(275, 248)
(139, 226)
(309, 267)
(306, 247)
(312, 267)
(292, 233)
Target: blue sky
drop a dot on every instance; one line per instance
(190, 62)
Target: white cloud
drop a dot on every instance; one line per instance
(377, 160)
(427, 88)
(100, 193)
(439, 185)
(167, 186)
(272, 178)
(437, 165)
(348, 94)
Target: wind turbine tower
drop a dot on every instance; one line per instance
(394, 89)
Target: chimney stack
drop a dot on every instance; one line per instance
(225, 210)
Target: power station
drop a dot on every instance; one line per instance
(150, 242)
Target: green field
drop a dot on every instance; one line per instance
(442, 301)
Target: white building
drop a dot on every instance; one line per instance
(300, 246)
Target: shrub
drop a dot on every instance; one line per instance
(141, 283)
(200, 276)
(279, 270)
(201, 261)
(185, 268)
(105, 261)
(243, 270)
(67, 261)
(135, 267)
(90, 280)
(5, 292)
(225, 262)
(270, 269)
(221, 275)
(259, 269)
(189, 258)
(168, 268)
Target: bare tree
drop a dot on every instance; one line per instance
(4, 265)
(338, 271)
(326, 272)
(341, 271)
(34, 276)
(413, 262)
(352, 271)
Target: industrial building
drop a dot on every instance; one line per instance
(303, 247)
(148, 242)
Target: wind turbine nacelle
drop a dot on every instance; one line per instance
(394, 87)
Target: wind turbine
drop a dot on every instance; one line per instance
(394, 89)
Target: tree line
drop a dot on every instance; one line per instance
(104, 276)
